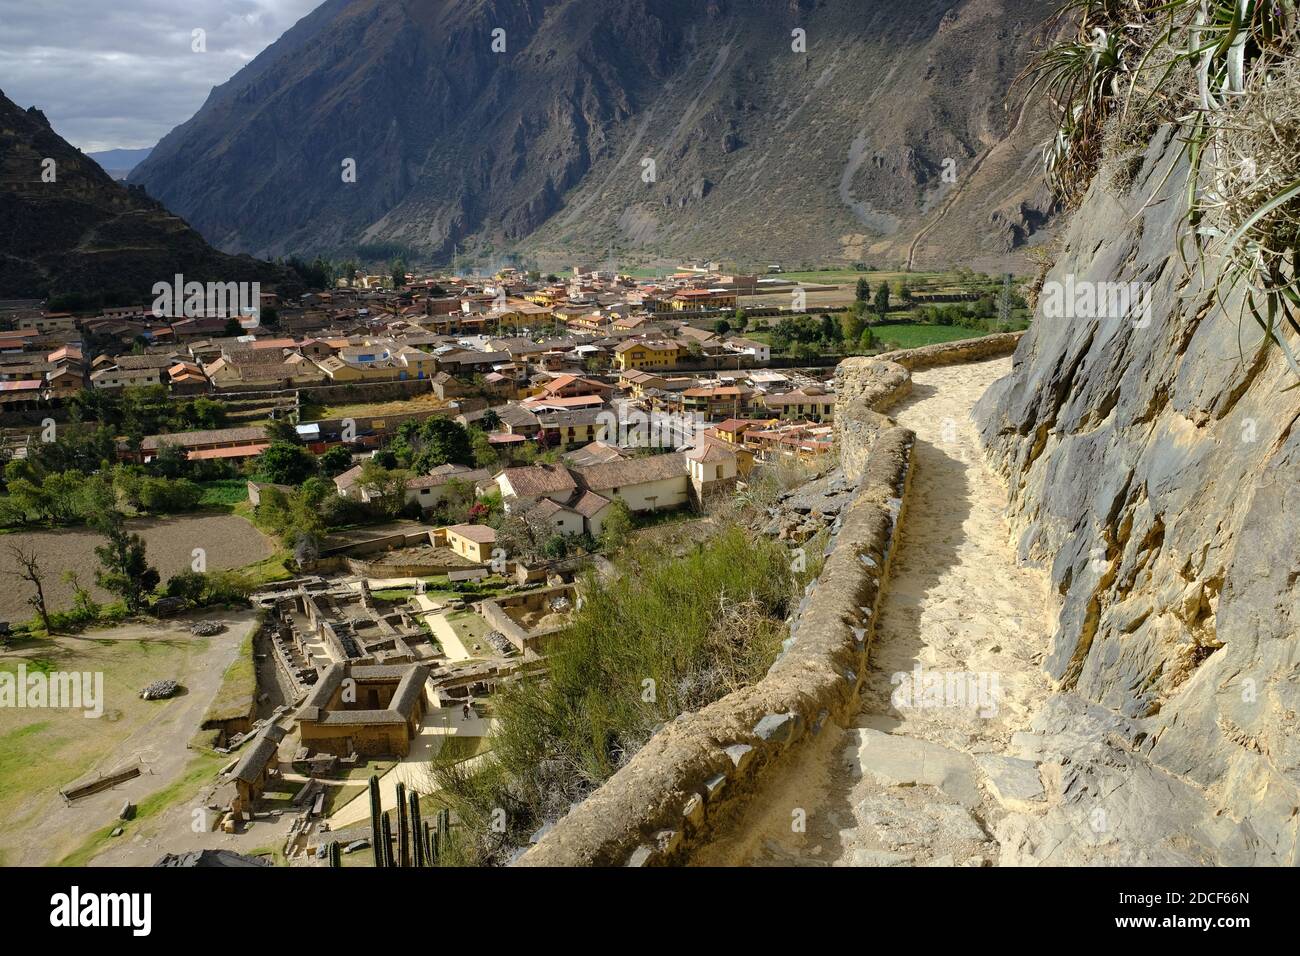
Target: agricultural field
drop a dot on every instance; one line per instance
(423, 402)
(228, 541)
(911, 335)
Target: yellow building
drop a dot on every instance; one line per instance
(640, 355)
(474, 542)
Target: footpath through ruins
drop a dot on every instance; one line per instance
(925, 772)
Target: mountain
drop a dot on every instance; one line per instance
(82, 232)
(118, 163)
(761, 153)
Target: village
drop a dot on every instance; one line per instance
(592, 405)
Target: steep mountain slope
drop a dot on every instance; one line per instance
(83, 232)
(760, 152)
(1154, 467)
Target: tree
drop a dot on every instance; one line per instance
(867, 341)
(125, 569)
(490, 421)
(286, 464)
(233, 329)
(721, 327)
(398, 273)
(442, 441)
(882, 300)
(851, 325)
(386, 489)
(616, 526)
(29, 570)
(335, 461)
(863, 290)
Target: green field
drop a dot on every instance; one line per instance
(223, 492)
(910, 335)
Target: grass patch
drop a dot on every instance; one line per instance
(911, 335)
(238, 692)
(618, 673)
(200, 770)
(223, 493)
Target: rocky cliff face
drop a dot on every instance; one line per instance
(67, 226)
(1154, 466)
(761, 153)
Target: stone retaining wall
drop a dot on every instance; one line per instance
(696, 774)
(867, 386)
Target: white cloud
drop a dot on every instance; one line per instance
(121, 73)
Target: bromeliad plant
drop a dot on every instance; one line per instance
(1226, 72)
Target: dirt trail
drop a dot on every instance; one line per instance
(955, 670)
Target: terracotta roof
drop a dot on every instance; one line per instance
(633, 471)
(478, 533)
(536, 481)
(215, 436)
(239, 451)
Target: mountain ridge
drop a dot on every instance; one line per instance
(66, 226)
(541, 150)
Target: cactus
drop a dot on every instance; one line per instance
(417, 831)
(430, 845)
(403, 854)
(335, 854)
(376, 833)
(387, 829)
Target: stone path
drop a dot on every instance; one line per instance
(955, 670)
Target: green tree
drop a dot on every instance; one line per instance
(233, 329)
(851, 325)
(124, 569)
(335, 461)
(867, 341)
(286, 464)
(442, 441)
(386, 489)
(863, 293)
(616, 527)
(882, 300)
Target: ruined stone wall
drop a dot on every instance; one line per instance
(1154, 468)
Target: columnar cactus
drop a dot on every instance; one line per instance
(403, 854)
(387, 837)
(376, 833)
(417, 830)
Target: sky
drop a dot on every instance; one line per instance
(114, 74)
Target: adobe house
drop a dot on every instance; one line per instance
(260, 759)
(372, 710)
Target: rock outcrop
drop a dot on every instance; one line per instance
(1153, 462)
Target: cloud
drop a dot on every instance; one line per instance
(122, 73)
